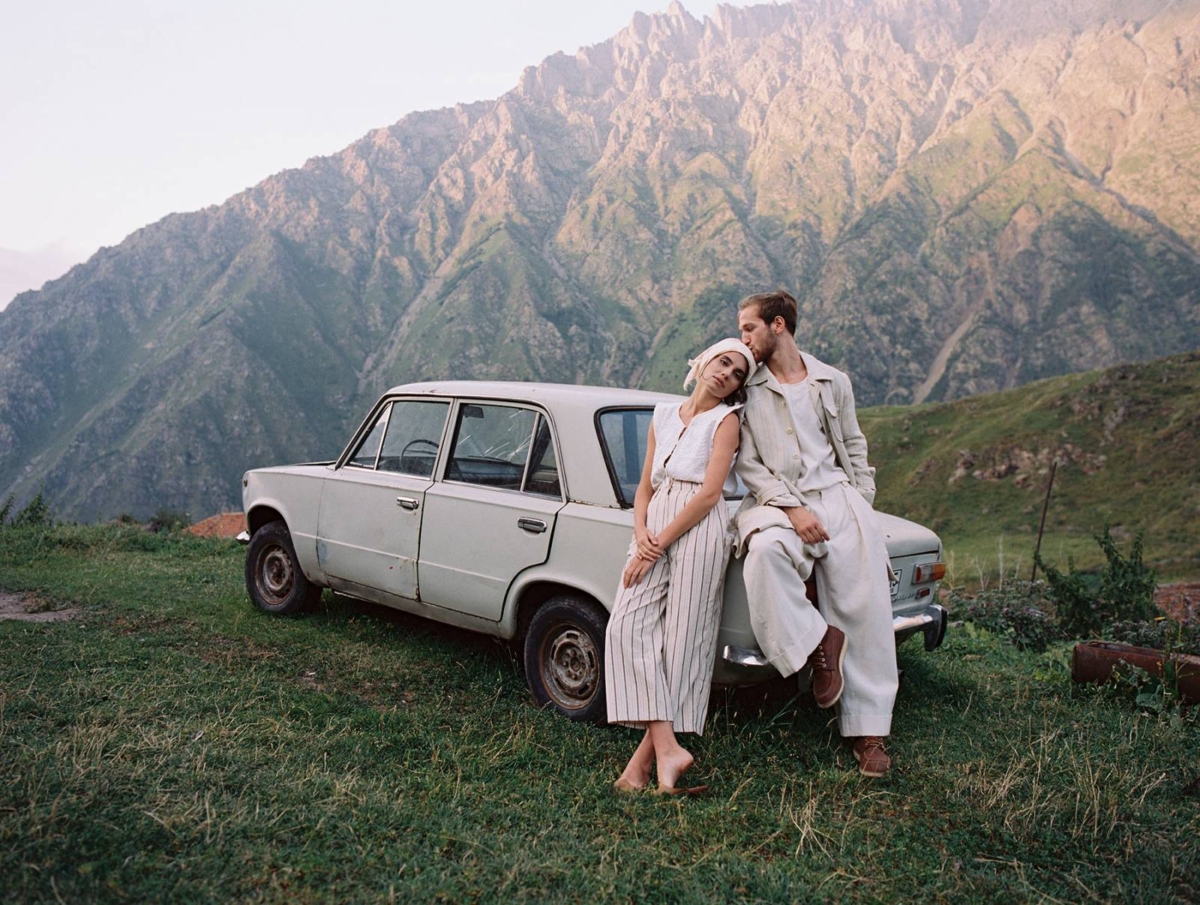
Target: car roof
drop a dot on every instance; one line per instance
(572, 410)
(546, 393)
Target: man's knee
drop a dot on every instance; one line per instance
(769, 551)
(763, 548)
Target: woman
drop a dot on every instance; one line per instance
(661, 637)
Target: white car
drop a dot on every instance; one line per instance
(507, 508)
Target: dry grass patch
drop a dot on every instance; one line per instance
(30, 608)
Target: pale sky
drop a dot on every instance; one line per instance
(116, 113)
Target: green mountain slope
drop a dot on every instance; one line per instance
(966, 195)
(976, 469)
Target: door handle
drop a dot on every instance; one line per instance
(535, 525)
(407, 502)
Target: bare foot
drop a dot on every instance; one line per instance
(636, 774)
(631, 783)
(673, 766)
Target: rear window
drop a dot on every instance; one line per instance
(623, 435)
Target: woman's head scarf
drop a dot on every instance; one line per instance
(700, 362)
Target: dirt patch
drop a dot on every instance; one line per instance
(1179, 601)
(25, 608)
(227, 524)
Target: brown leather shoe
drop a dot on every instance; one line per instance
(826, 662)
(872, 759)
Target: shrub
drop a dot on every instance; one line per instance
(1090, 604)
(166, 519)
(1015, 611)
(1161, 634)
(6, 509)
(36, 514)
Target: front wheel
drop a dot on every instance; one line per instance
(564, 658)
(273, 576)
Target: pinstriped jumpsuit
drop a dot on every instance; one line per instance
(662, 634)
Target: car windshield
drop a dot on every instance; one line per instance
(623, 434)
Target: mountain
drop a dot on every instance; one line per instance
(24, 270)
(965, 194)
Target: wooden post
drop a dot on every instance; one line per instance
(1042, 525)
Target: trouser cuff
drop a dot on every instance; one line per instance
(852, 725)
(793, 658)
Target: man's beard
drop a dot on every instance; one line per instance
(768, 348)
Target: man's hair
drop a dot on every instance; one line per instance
(771, 305)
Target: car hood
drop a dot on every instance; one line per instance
(904, 538)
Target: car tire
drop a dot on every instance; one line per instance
(273, 576)
(564, 657)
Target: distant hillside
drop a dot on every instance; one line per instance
(966, 194)
(975, 470)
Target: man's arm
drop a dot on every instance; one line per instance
(855, 441)
(769, 490)
(761, 481)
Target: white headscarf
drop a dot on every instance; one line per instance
(700, 362)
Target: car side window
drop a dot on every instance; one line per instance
(368, 450)
(542, 477)
(413, 436)
(491, 445)
(624, 433)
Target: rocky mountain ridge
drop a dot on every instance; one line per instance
(965, 195)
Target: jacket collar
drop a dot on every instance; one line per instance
(817, 370)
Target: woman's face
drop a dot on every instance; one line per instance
(724, 374)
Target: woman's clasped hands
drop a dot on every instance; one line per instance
(649, 551)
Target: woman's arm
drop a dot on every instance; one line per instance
(648, 549)
(648, 546)
(725, 445)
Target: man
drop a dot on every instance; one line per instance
(804, 460)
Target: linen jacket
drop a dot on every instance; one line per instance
(769, 459)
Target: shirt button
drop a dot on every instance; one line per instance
(795, 455)
(789, 430)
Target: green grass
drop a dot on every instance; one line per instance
(173, 743)
(1125, 438)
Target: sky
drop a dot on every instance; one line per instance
(115, 114)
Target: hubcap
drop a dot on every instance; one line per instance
(275, 574)
(570, 667)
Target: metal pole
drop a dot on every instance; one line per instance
(1042, 525)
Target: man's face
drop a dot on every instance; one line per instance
(757, 334)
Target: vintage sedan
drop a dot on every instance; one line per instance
(507, 508)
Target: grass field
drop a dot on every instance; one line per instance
(172, 743)
(975, 470)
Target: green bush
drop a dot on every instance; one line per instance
(36, 513)
(167, 519)
(1161, 634)
(1016, 611)
(1090, 604)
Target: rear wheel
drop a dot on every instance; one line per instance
(273, 575)
(564, 657)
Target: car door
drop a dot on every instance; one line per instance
(492, 514)
(368, 531)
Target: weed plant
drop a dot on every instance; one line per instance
(1017, 611)
(175, 744)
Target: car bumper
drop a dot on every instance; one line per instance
(931, 622)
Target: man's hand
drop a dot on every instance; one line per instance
(807, 525)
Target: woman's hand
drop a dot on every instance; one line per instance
(648, 547)
(635, 571)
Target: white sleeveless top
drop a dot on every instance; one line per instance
(682, 451)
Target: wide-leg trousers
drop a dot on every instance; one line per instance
(853, 583)
(662, 634)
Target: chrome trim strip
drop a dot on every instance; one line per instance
(744, 656)
(932, 623)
